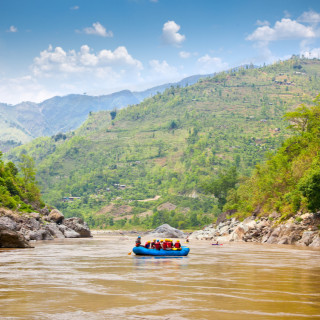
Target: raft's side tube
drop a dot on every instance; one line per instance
(142, 251)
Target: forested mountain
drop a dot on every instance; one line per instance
(174, 156)
(25, 121)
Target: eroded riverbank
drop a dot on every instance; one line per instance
(95, 278)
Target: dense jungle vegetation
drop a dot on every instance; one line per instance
(174, 157)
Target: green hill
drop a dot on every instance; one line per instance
(186, 145)
(290, 180)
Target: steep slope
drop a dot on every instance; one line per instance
(179, 145)
(290, 180)
(25, 121)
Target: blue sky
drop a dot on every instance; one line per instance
(59, 47)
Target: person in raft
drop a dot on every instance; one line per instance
(158, 245)
(153, 244)
(138, 241)
(169, 244)
(147, 245)
(177, 244)
(164, 245)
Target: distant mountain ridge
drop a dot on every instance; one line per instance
(25, 121)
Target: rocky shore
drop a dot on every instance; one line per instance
(302, 229)
(17, 229)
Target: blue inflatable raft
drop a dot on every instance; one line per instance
(142, 251)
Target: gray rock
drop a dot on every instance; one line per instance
(71, 233)
(12, 239)
(68, 233)
(316, 242)
(41, 234)
(33, 224)
(45, 211)
(166, 231)
(8, 223)
(54, 230)
(78, 225)
(307, 238)
(55, 216)
(35, 215)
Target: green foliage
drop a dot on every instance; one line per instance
(19, 192)
(290, 180)
(310, 187)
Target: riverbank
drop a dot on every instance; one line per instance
(17, 229)
(302, 229)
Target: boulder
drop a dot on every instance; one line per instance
(67, 232)
(166, 231)
(54, 230)
(55, 216)
(41, 234)
(12, 239)
(274, 236)
(316, 242)
(78, 225)
(35, 215)
(307, 238)
(33, 224)
(71, 234)
(8, 223)
(45, 211)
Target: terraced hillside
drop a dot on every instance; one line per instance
(188, 146)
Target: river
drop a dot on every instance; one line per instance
(97, 279)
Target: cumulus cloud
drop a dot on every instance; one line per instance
(99, 30)
(53, 61)
(170, 34)
(282, 30)
(12, 29)
(208, 64)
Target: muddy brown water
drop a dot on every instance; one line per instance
(97, 279)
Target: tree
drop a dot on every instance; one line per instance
(303, 119)
(27, 169)
(310, 188)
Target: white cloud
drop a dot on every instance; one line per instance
(170, 34)
(310, 16)
(12, 29)
(161, 67)
(99, 30)
(314, 53)
(284, 29)
(23, 89)
(208, 64)
(75, 8)
(57, 61)
(262, 23)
